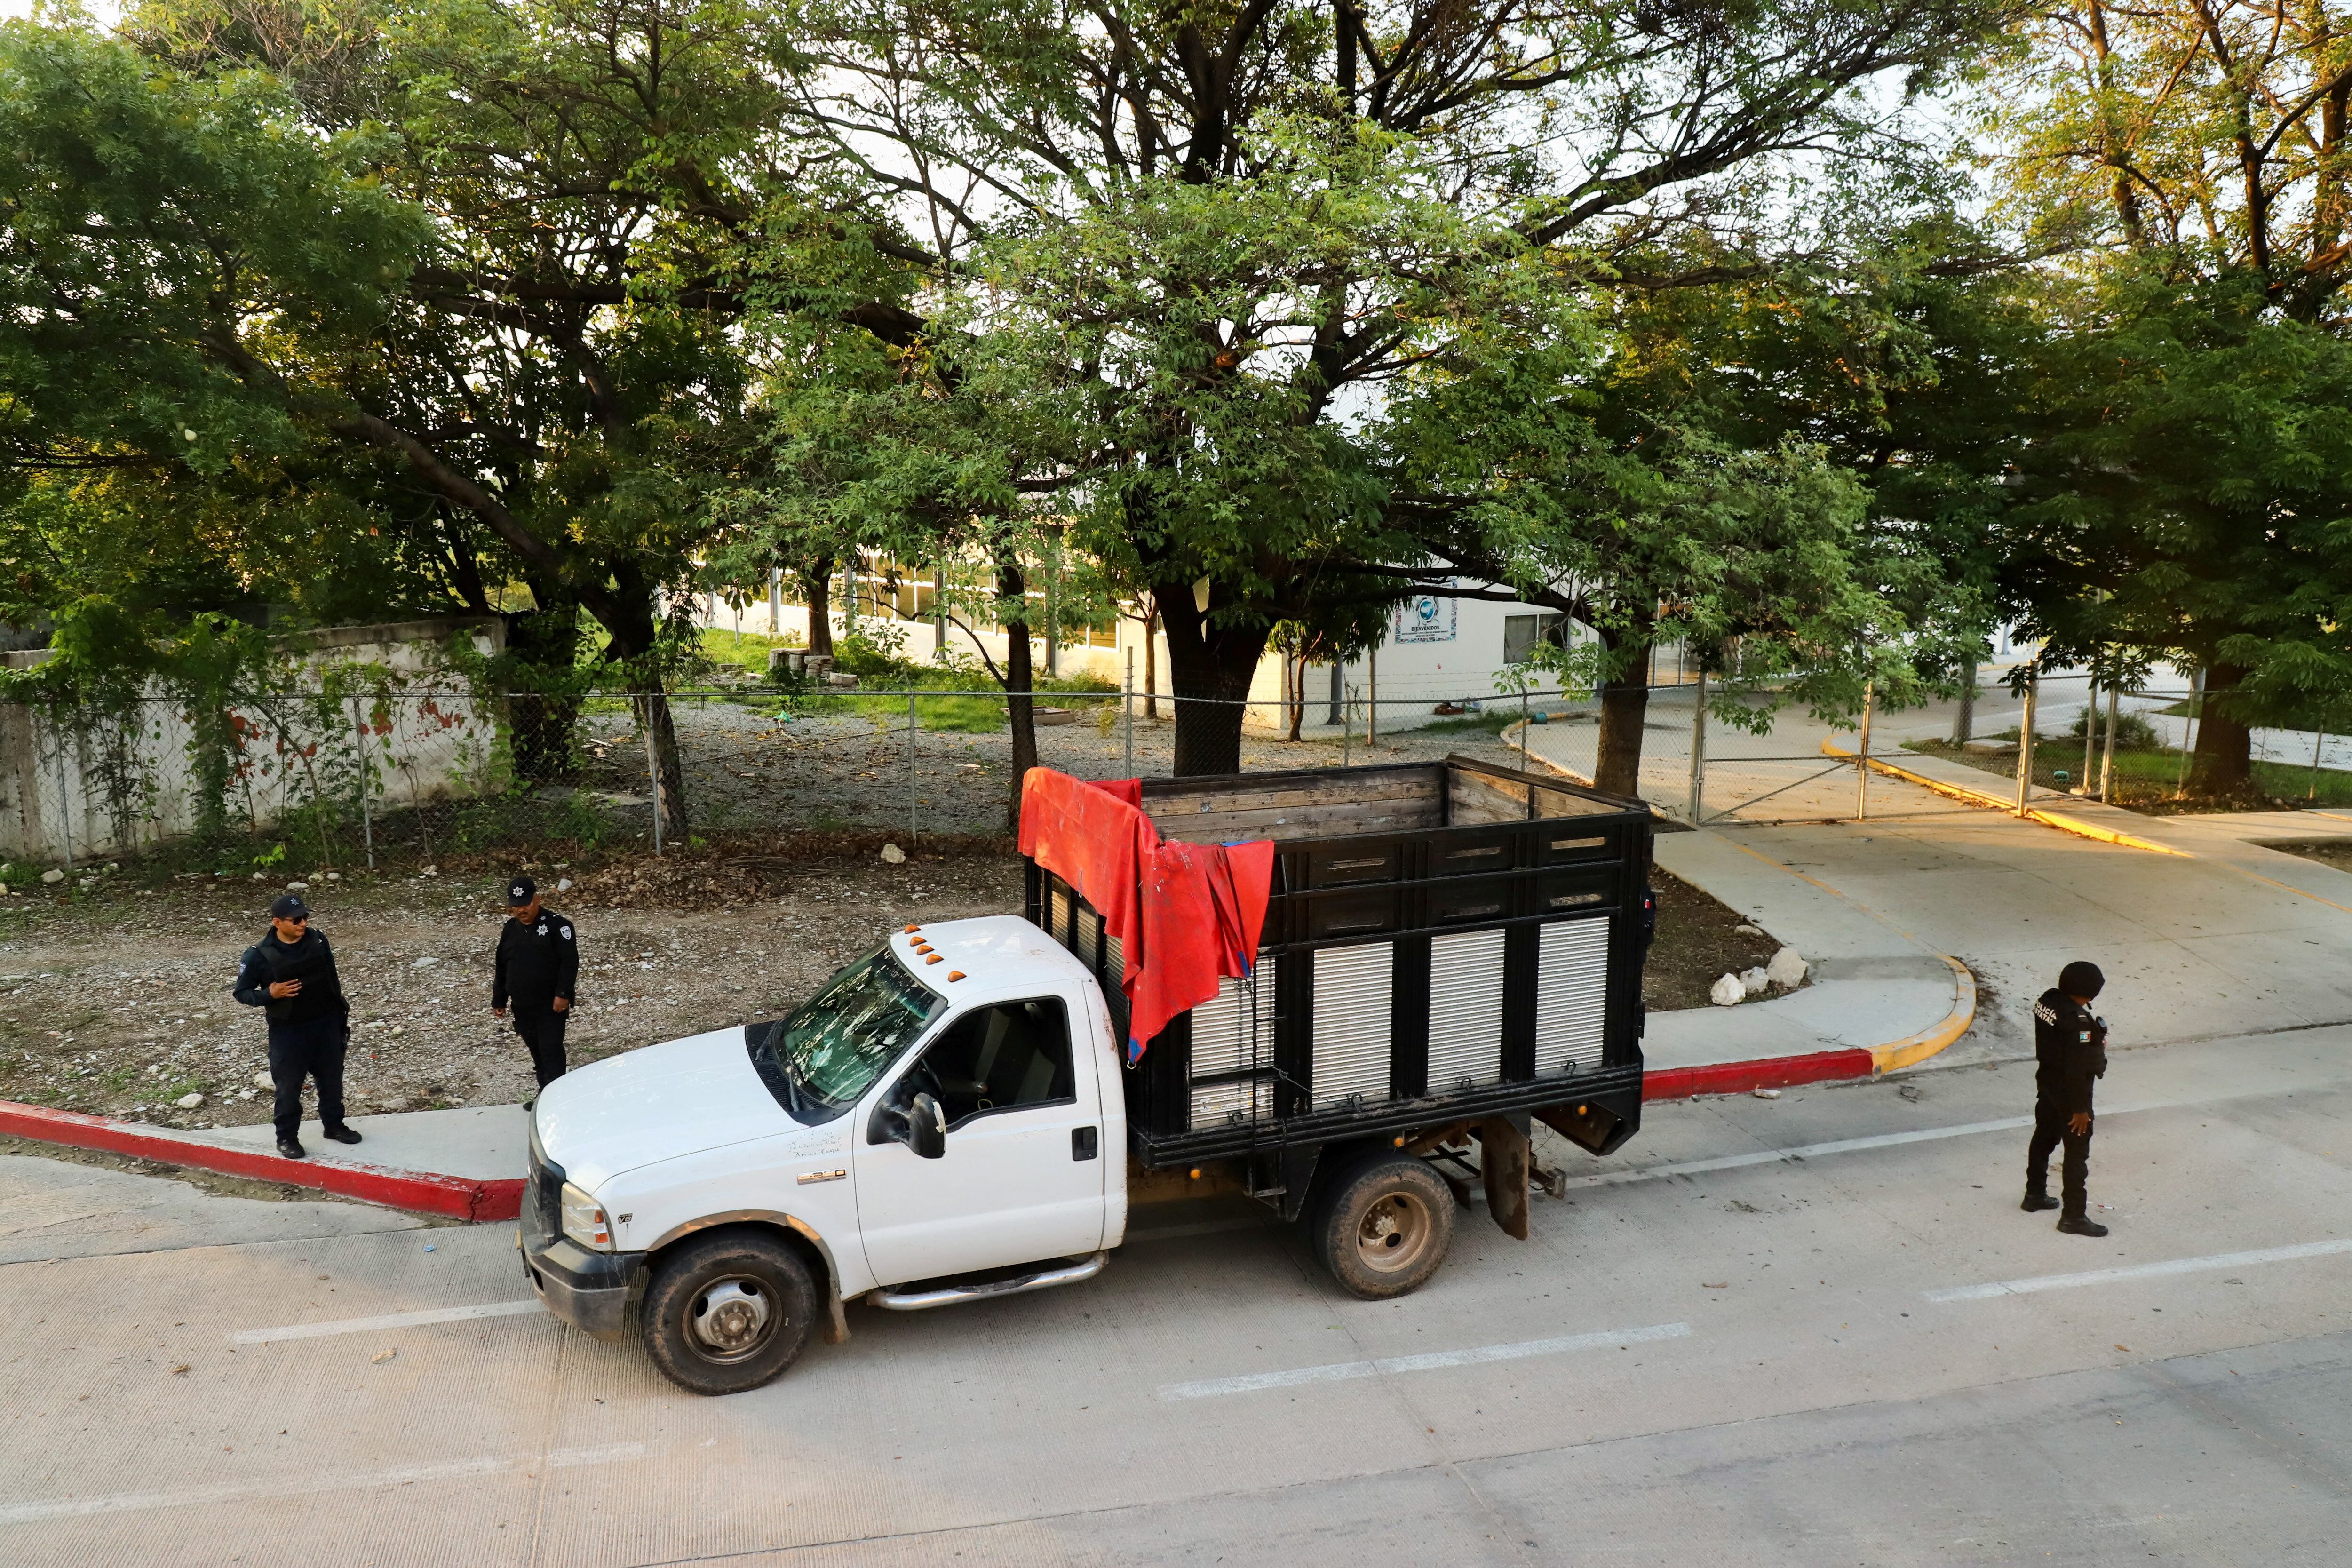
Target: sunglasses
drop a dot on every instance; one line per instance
(294, 920)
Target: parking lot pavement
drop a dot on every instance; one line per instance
(1766, 1335)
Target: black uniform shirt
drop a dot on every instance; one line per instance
(537, 962)
(2070, 1051)
(310, 961)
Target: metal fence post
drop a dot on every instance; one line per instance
(1698, 752)
(653, 774)
(914, 780)
(1861, 758)
(1126, 703)
(1372, 698)
(65, 797)
(1347, 731)
(2107, 763)
(367, 821)
(2025, 741)
(2189, 726)
(2090, 734)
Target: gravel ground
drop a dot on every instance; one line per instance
(114, 997)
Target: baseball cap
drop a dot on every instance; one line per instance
(520, 892)
(289, 907)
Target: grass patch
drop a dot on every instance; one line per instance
(2149, 780)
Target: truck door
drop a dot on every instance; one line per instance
(1023, 1176)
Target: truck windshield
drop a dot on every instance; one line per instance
(829, 1052)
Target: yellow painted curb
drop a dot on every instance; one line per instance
(2057, 819)
(1916, 1048)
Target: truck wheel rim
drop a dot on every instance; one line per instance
(1394, 1232)
(731, 1319)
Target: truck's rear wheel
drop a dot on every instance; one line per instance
(727, 1312)
(1383, 1226)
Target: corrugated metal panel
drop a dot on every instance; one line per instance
(1352, 1023)
(1113, 967)
(1060, 914)
(1236, 1099)
(1226, 1036)
(1465, 1010)
(1088, 946)
(1571, 985)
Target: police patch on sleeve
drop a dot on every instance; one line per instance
(566, 932)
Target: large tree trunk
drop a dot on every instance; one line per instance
(1624, 704)
(542, 709)
(1019, 681)
(1209, 671)
(2225, 747)
(1151, 664)
(652, 714)
(816, 591)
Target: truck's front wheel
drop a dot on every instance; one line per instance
(1382, 1228)
(727, 1312)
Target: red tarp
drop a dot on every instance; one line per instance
(1185, 915)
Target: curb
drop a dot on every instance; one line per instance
(2057, 819)
(1772, 1072)
(421, 1192)
(1912, 1049)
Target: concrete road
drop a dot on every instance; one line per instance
(1809, 1331)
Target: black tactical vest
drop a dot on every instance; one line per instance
(310, 961)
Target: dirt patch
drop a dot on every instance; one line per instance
(114, 1001)
(2335, 852)
(1700, 939)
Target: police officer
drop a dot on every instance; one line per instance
(538, 964)
(2070, 1049)
(290, 975)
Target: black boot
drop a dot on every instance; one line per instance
(343, 1134)
(2076, 1225)
(291, 1149)
(2036, 1202)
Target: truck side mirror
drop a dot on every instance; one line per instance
(927, 1127)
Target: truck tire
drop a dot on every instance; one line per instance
(727, 1312)
(1383, 1226)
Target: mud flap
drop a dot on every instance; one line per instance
(1504, 1156)
(836, 1322)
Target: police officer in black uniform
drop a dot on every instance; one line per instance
(2070, 1049)
(290, 975)
(538, 964)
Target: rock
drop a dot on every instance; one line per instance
(261, 1080)
(432, 870)
(893, 856)
(260, 876)
(112, 868)
(1749, 929)
(335, 876)
(298, 887)
(1755, 981)
(53, 875)
(4, 889)
(563, 884)
(1727, 992)
(189, 1101)
(1787, 970)
(426, 962)
(1767, 1093)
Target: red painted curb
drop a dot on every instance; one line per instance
(452, 1197)
(1773, 1072)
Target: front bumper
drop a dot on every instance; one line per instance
(590, 1290)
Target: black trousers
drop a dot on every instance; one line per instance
(2050, 1130)
(313, 1049)
(541, 1028)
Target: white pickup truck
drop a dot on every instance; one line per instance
(950, 1119)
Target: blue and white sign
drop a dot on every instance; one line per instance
(1428, 617)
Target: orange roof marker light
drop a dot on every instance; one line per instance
(912, 929)
(955, 975)
(930, 958)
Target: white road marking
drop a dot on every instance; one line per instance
(305, 1486)
(389, 1320)
(2139, 1271)
(1340, 1372)
(1881, 1140)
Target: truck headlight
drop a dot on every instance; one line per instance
(584, 1220)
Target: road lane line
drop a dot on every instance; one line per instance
(44, 1508)
(1893, 1140)
(2139, 1271)
(1340, 1372)
(389, 1320)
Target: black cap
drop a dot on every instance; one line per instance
(289, 907)
(2082, 978)
(520, 890)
